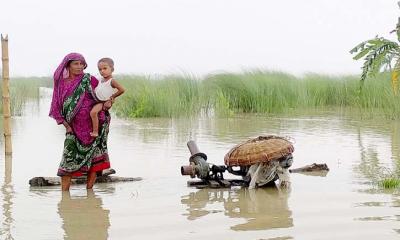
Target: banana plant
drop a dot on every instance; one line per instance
(379, 53)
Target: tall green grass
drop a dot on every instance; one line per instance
(152, 97)
(230, 93)
(22, 89)
(254, 92)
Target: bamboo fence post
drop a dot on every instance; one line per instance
(6, 95)
(7, 169)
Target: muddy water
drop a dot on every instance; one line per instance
(344, 204)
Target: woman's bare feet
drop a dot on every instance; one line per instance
(94, 134)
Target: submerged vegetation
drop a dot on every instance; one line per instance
(386, 178)
(253, 92)
(23, 89)
(226, 94)
(166, 97)
(389, 183)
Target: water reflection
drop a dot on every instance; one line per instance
(395, 143)
(84, 217)
(369, 165)
(255, 214)
(7, 191)
(373, 167)
(262, 209)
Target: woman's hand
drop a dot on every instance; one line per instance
(68, 128)
(107, 105)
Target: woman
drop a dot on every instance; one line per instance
(73, 98)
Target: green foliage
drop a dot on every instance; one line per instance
(377, 53)
(155, 97)
(389, 183)
(253, 92)
(387, 178)
(23, 89)
(227, 94)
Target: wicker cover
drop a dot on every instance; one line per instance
(260, 149)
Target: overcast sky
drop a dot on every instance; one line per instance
(195, 36)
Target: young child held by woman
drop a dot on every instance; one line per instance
(108, 89)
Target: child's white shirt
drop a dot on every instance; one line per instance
(104, 90)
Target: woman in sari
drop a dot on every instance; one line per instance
(73, 98)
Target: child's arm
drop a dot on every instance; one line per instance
(120, 89)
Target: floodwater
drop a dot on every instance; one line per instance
(343, 204)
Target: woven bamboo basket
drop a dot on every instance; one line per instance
(260, 149)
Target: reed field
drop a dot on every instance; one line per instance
(23, 89)
(263, 92)
(167, 96)
(226, 94)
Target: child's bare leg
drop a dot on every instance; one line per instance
(95, 119)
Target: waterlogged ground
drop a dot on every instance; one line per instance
(344, 204)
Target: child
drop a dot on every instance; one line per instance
(108, 89)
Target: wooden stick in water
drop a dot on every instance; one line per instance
(6, 95)
(105, 177)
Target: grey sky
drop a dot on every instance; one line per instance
(196, 36)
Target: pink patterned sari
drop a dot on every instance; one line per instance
(72, 102)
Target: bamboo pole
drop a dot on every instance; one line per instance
(6, 95)
(7, 169)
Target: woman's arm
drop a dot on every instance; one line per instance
(55, 108)
(59, 119)
(67, 126)
(94, 82)
(119, 87)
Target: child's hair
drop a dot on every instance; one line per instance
(109, 61)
